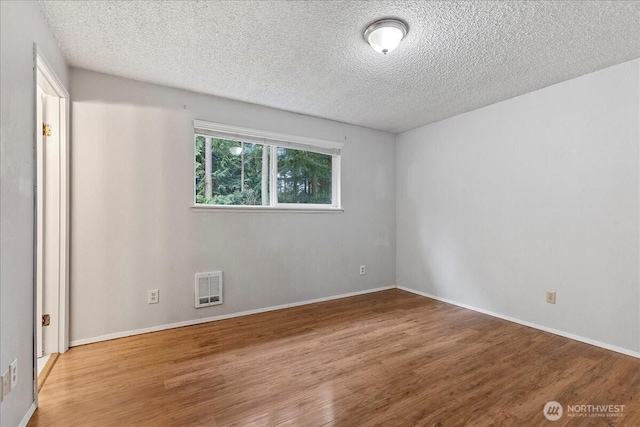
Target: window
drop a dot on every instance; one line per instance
(304, 177)
(254, 169)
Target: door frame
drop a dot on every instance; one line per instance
(43, 68)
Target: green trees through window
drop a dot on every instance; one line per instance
(237, 173)
(228, 172)
(303, 177)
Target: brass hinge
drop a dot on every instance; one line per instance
(46, 129)
(46, 320)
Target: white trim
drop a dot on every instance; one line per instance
(336, 181)
(44, 70)
(264, 137)
(65, 225)
(529, 324)
(222, 317)
(28, 415)
(287, 208)
(39, 249)
(273, 175)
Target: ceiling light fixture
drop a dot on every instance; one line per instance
(385, 35)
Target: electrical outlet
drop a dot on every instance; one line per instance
(13, 371)
(154, 296)
(362, 270)
(551, 297)
(6, 383)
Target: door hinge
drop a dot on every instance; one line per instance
(46, 320)
(46, 129)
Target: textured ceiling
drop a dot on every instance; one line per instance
(310, 57)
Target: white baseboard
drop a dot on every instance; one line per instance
(529, 324)
(28, 415)
(115, 335)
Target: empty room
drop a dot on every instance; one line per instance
(318, 213)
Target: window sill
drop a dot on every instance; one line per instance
(236, 208)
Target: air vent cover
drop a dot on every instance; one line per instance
(208, 290)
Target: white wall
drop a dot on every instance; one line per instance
(133, 229)
(536, 193)
(21, 26)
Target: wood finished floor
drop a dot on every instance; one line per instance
(390, 358)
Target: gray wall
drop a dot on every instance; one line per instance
(536, 193)
(133, 229)
(21, 25)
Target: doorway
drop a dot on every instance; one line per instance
(51, 219)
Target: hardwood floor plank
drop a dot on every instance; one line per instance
(46, 370)
(390, 358)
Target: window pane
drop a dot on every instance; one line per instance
(232, 173)
(304, 177)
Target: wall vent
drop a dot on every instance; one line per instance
(208, 290)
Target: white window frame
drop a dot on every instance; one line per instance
(273, 141)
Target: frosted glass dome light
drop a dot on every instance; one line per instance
(385, 35)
